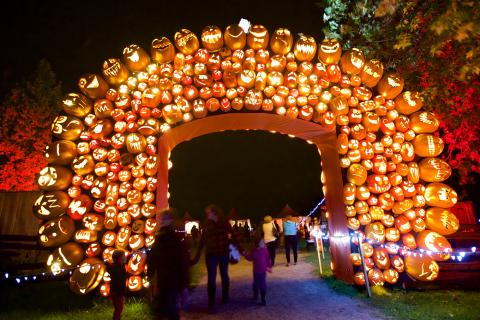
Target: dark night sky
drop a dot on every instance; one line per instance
(255, 172)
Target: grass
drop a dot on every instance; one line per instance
(409, 305)
(53, 300)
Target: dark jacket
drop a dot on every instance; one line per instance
(118, 276)
(168, 262)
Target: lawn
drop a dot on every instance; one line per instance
(411, 304)
(53, 300)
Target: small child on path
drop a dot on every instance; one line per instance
(261, 265)
(118, 277)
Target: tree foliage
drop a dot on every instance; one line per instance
(25, 118)
(435, 45)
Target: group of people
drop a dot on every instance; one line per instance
(169, 260)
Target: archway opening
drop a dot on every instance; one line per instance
(254, 172)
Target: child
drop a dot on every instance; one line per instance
(261, 264)
(118, 277)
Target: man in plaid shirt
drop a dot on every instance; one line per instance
(216, 238)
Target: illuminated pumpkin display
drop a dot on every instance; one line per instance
(99, 187)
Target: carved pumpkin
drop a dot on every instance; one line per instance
(352, 61)
(329, 51)
(114, 71)
(440, 195)
(434, 170)
(442, 221)
(235, 37)
(212, 38)
(436, 243)
(421, 268)
(93, 86)
(76, 104)
(66, 256)
(371, 73)
(135, 58)
(281, 41)
(67, 127)
(305, 48)
(88, 276)
(56, 232)
(427, 145)
(257, 37)
(390, 86)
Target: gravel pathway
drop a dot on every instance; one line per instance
(293, 292)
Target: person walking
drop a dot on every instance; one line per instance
(270, 236)
(216, 238)
(291, 242)
(118, 276)
(168, 267)
(261, 265)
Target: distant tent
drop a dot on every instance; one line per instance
(287, 211)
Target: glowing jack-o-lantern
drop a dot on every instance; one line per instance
(83, 164)
(434, 242)
(109, 238)
(93, 86)
(421, 268)
(442, 221)
(93, 249)
(54, 178)
(281, 41)
(85, 236)
(427, 145)
(234, 36)
(136, 263)
(136, 143)
(381, 259)
(134, 283)
(76, 104)
(305, 48)
(359, 278)
(408, 102)
(88, 276)
(378, 183)
(352, 61)
(375, 232)
(424, 122)
(390, 86)
(79, 206)
(375, 276)
(257, 37)
(434, 170)
(329, 51)
(135, 58)
(136, 241)
(391, 276)
(371, 73)
(93, 221)
(56, 232)
(186, 41)
(67, 127)
(60, 152)
(114, 71)
(122, 237)
(64, 257)
(51, 205)
(357, 174)
(212, 38)
(163, 50)
(440, 195)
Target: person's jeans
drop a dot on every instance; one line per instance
(271, 246)
(291, 242)
(212, 262)
(259, 283)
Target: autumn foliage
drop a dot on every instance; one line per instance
(25, 119)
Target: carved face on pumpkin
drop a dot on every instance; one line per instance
(56, 232)
(64, 257)
(440, 195)
(186, 41)
(88, 276)
(135, 58)
(67, 127)
(51, 205)
(281, 41)
(329, 51)
(163, 50)
(93, 86)
(76, 104)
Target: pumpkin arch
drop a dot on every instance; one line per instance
(108, 168)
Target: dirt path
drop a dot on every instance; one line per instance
(293, 292)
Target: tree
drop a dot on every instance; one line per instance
(435, 45)
(25, 119)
